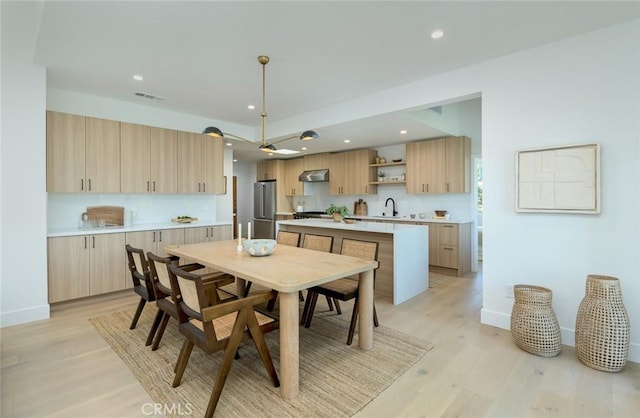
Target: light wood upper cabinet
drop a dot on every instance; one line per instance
(200, 164)
(292, 170)
(350, 172)
(317, 161)
(83, 154)
(439, 165)
(149, 159)
(65, 152)
(269, 170)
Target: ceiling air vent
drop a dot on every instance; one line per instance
(148, 96)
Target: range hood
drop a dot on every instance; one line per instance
(315, 175)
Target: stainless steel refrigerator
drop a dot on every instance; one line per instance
(264, 210)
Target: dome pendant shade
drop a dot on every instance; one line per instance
(309, 135)
(267, 148)
(213, 131)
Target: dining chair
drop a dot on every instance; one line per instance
(218, 326)
(159, 273)
(139, 268)
(318, 243)
(346, 288)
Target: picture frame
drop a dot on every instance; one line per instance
(563, 179)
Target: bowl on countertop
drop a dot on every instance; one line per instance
(441, 213)
(422, 215)
(259, 247)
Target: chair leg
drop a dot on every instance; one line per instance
(300, 296)
(136, 316)
(375, 316)
(305, 309)
(160, 332)
(261, 345)
(329, 303)
(247, 287)
(154, 327)
(227, 361)
(183, 359)
(338, 310)
(272, 303)
(312, 307)
(354, 319)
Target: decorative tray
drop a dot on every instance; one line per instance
(184, 219)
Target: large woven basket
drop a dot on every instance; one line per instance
(602, 325)
(534, 326)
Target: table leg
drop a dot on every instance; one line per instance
(365, 304)
(240, 286)
(289, 345)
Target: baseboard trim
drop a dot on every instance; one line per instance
(567, 335)
(36, 313)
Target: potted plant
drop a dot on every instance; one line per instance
(338, 212)
(381, 175)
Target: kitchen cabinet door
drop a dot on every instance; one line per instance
(457, 164)
(212, 165)
(189, 163)
(164, 160)
(317, 161)
(435, 160)
(107, 267)
(269, 170)
(292, 170)
(102, 156)
(416, 167)
(68, 267)
(359, 173)
(338, 174)
(65, 152)
(198, 234)
(135, 148)
(222, 233)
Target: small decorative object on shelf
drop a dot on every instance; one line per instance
(602, 325)
(382, 160)
(534, 326)
(381, 175)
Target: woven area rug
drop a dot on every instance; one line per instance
(336, 380)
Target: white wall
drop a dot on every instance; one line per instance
(23, 245)
(246, 175)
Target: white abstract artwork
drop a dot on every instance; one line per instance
(562, 179)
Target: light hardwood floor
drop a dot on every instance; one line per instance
(61, 367)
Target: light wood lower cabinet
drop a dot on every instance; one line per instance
(207, 233)
(450, 246)
(154, 241)
(85, 265)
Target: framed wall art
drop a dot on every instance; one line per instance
(563, 179)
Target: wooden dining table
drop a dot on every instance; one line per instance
(289, 270)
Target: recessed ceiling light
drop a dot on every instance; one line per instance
(251, 107)
(437, 34)
(271, 154)
(403, 132)
(235, 161)
(228, 144)
(346, 141)
(303, 148)
(138, 77)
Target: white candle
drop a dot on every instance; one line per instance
(239, 233)
(249, 231)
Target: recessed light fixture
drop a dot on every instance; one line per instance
(403, 132)
(437, 34)
(303, 148)
(271, 154)
(346, 141)
(138, 77)
(235, 161)
(228, 144)
(251, 107)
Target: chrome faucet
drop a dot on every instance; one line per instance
(393, 206)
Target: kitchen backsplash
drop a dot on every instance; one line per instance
(64, 209)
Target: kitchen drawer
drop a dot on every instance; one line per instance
(448, 234)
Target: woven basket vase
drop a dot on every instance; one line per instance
(602, 325)
(534, 326)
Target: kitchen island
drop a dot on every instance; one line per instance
(402, 251)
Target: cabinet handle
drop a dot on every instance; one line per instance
(148, 185)
(85, 243)
(427, 187)
(447, 248)
(93, 241)
(198, 187)
(207, 233)
(160, 233)
(89, 184)
(154, 236)
(366, 189)
(447, 226)
(154, 185)
(204, 187)
(82, 186)
(423, 188)
(447, 186)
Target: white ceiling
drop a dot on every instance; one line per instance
(201, 56)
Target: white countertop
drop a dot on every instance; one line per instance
(378, 227)
(400, 219)
(67, 232)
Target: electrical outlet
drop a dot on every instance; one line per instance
(508, 289)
